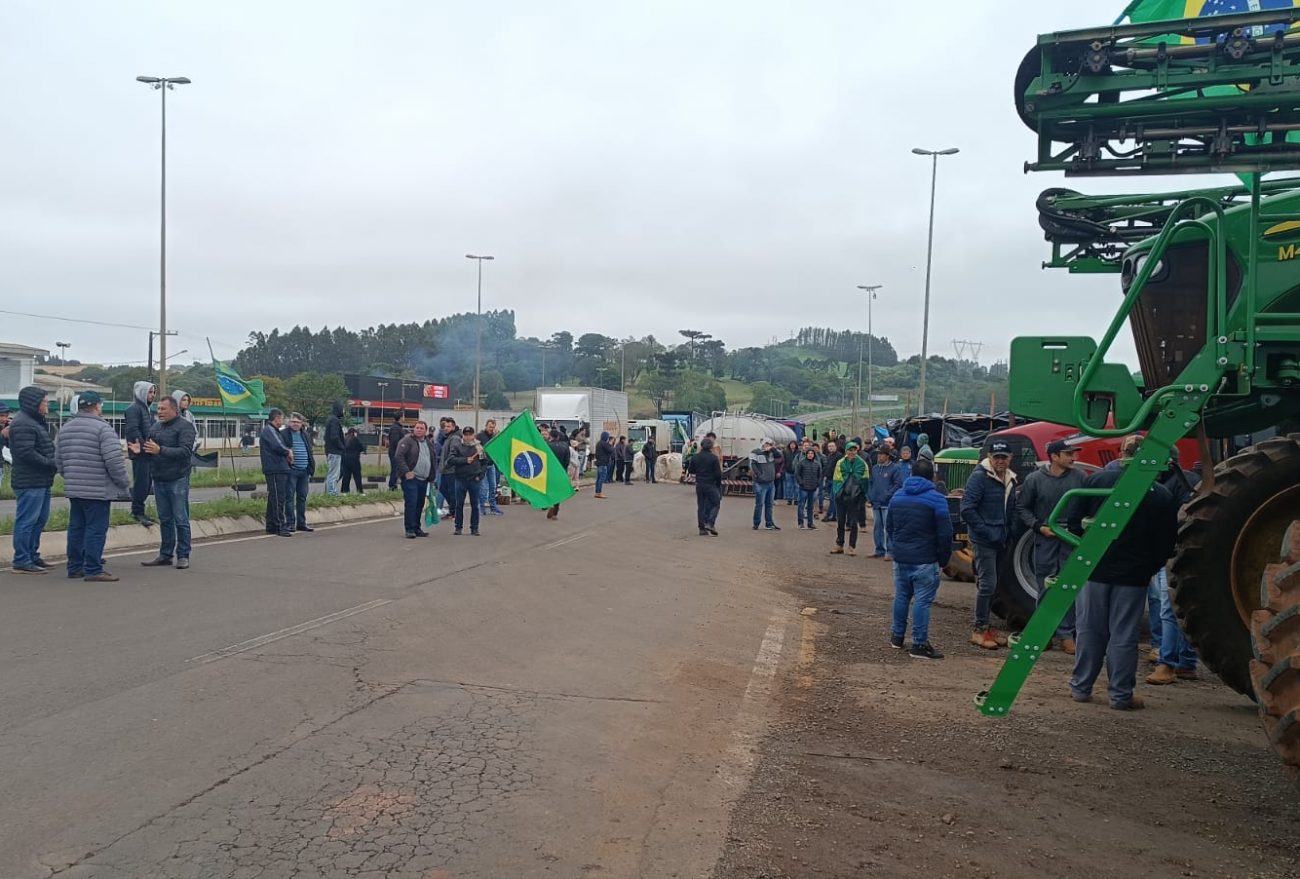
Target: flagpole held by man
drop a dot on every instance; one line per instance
(529, 464)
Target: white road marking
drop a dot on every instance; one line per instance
(738, 763)
(557, 544)
(262, 640)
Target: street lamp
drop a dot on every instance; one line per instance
(478, 333)
(63, 352)
(379, 429)
(870, 290)
(929, 252)
(163, 84)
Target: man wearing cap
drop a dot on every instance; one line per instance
(849, 497)
(32, 479)
(1042, 490)
(762, 469)
(89, 455)
(987, 507)
(707, 469)
(886, 479)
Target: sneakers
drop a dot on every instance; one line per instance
(984, 638)
(712, 530)
(102, 577)
(1162, 675)
(924, 651)
(704, 532)
(812, 527)
(1067, 646)
(896, 641)
(28, 569)
(144, 520)
(42, 563)
(773, 527)
(182, 564)
(158, 562)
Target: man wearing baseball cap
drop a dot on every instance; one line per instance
(987, 507)
(89, 456)
(1042, 490)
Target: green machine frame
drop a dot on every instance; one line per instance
(1197, 95)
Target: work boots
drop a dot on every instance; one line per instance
(985, 638)
(1162, 674)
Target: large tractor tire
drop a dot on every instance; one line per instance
(1226, 538)
(1017, 591)
(1275, 670)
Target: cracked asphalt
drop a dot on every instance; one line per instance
(554, 699)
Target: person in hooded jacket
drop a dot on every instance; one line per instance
(334, 442)
(135, 430)
(352, 452)
(886, 479)
(988, 508)
(706, 467)
(89, 455)
(920, 535)
(808, 477)
(604, 460)
(762, 469)
(830, 459)
(34, 467)
(789, 484)
(649, 454)
(564, 454)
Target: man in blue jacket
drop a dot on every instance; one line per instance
(987, 506)
(886, 479)
(920, 536)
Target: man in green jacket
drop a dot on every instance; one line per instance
(849, 505)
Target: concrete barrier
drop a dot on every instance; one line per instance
(123, 537)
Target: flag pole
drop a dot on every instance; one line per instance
(225, 439)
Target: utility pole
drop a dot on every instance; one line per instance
(929, 253)
(478, 334)
(870, 290)
(163, 84)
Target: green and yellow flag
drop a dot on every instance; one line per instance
(528, 464)
(238, 395)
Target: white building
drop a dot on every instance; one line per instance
(17, 368)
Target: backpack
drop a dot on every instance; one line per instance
(850, 491)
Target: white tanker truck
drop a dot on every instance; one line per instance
(738, 435)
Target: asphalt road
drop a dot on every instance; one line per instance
(573, 698)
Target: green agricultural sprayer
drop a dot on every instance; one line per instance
(1211, 291)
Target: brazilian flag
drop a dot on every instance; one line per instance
(238, 395)
(529, 465)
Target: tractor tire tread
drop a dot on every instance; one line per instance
(1275, 671)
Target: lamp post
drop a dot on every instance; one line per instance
(380, 428)
(929, 253)
(163, 84)
(478, 333)
(63, 352)
(870, 290)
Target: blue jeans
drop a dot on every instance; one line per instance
(413, 493)
(299, 485)
(985, 559)
(805, 508)
(33, 511)
(879, 514)
(488, 490)
(829, 489)
(1175, 650)
(393, 475)
(333, 466)
(87, 531)
(1109, 618)
(790, 488)
(173, 500)
(763, 494)
(602, 474)
(466, 488)
(914, 586)
(1153, 615)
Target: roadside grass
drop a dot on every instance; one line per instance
(211, 478)
(220, 508)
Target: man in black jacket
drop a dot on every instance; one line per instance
(334, 441)
(135, 429)
(32, 479)
(466, 463)
(1109, 610)
(604, 460)
(707, 470)
(487, 499)
(276, 460)
(560, 446)
(169, 446)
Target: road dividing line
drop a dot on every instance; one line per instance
(807, 653)
(738, 763)
(262, 640)
(557, 544)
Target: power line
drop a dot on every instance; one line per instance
(74, 320)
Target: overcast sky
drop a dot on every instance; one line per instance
(634, 167)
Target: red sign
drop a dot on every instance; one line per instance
(437, 392)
